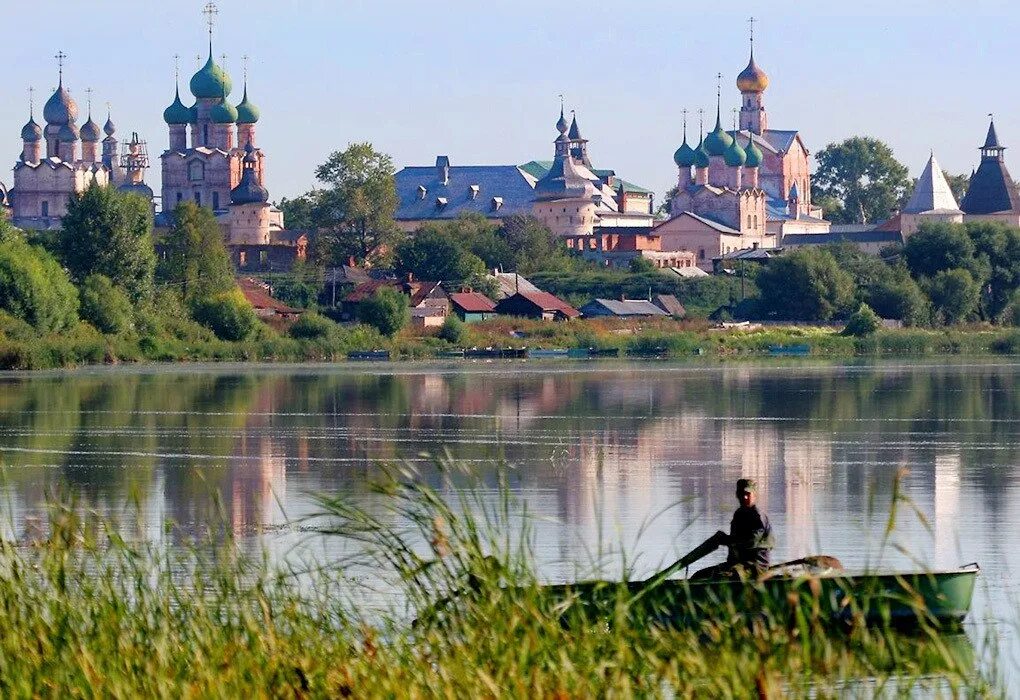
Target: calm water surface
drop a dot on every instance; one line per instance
(598, 449)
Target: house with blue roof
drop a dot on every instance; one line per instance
(567, 194)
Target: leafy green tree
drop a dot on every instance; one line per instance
(353, 212)
(862, 322)
(535, 247)
(998, 248)
(939, 246)
(301, 287)
(896, 295)
(432, 255)
(34, 288)
(862, 174)
(954, 295)
(196, 262)
(453, 330)
(298, 213)
(312, 326)
(640, 265)
(386, 310)
(805, 285)
(104, 305)
(664, 208)
(109, 233)
(7, 230)
(227, 314)
(958, 184)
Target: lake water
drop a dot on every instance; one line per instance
(599, 449)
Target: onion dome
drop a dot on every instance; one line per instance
(561, 123)
(139, 188)
(90, 131)
(684, 156)
(249, 190)
(60, 109)
(752, 78)
(193, 111)
(67, 133)
(108, 127)
(223, 113)
(177, 113)
(734, 155)
(211, 81)
(701, 155)
(247, 113)
(31, 132)
(717, 140)
(754, 154)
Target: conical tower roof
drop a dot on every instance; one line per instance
(932, 192)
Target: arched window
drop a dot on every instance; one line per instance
(196, 170)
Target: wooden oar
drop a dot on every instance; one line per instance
(700, 552)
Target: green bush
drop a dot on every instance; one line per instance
(228, 315)
(453, 330)
(386, 311)
(105, 306)
(862, 322)
(312, 326)
(34, 288)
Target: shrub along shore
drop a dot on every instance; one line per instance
(163, 332)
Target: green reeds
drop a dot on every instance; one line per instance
(439, 598)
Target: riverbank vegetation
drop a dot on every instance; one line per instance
(88, 611)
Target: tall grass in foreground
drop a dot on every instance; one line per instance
(86, 613)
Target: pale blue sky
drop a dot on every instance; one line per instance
(478, 81)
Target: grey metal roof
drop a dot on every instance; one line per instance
(510, 283)
(869, 236)
(626, 307)
(721, 228)
(932, 192)
(505, 181)
(780, 140)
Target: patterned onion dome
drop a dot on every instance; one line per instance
(210, 81)
(754, 154)
(60, 109)
(90, 131)
(701, 155)
(717, 140)
(684, 156)
(67, 133)
(247, 112)
(223, 113)
(734, 155)
(752, 78)
(31, 132)
(177, 113)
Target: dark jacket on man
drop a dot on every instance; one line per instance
(750, 538)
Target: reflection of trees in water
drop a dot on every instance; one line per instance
(202, 436)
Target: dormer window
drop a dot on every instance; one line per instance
(497, 203)
(473, 191)
(422, 191)
(441, 202)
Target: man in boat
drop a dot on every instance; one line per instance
(749, 539)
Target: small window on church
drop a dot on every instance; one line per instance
(45, 208)
(198, 198)
(701, 254)
(244, 258)
(180, 196)
(196, 170)
(215, 200)
(262, 257)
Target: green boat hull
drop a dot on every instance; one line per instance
(940, 598)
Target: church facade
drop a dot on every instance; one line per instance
(746, 188)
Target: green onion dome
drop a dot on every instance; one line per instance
(193, 109)
(31, 132)
(90, 131)
(223, 113)
(210, 81)
(754, 154)
(684, 156)
(717, 141)
(701, 155)
(247, 113)
(177, 113)
(734, 155)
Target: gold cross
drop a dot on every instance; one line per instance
(60, 64)
(210, 13)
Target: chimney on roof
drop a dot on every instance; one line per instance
(443, 169)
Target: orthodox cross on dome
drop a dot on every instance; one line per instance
(244, 67)
(210, 13)
(718, 99)
(31, 102)
(684, 112)
(223, 60)
(751, 22)
(88, 100)
(735, 112)
(60, 65)
(701, 121)
(109, 110)
(177, 67)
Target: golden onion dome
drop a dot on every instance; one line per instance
(752, 78)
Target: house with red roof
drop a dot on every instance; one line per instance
(266, 307)
(472, 306)
(537, 305)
